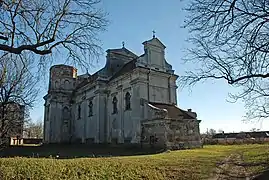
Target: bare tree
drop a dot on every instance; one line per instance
(63, 27)
(220, 131)
(36, 32)
(34, 129)
(17, 93)
(253, 130)
(212, 132)
(230, 43)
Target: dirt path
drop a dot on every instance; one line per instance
(234, 167)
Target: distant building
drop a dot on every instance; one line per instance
(258, 135)
(12, 121)
(23, 141)
(132, 99)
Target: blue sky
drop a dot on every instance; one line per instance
(133, 22)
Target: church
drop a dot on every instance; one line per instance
(131, 100)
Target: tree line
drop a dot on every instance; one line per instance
(33, 33)
(229, 43)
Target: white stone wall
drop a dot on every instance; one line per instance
(120, 124)
(173, 89)
(55, 122)
(86, 127)
(126, 124)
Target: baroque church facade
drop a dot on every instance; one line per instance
(132, 99)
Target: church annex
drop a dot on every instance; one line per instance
(132, 99)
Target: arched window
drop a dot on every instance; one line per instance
(57, 84)
(66, 84)
(66, 114)
(127, 101)
(90, 105)
(79, 111)
(114, 102)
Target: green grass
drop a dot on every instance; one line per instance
(184, 164)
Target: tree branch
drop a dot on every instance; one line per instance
(3, 38)
(33, 48)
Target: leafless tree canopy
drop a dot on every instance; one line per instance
(230, 42)
(34, 129)
(36, 32)
(17, 93)
(17, 83)
(44, 27)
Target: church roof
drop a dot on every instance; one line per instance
(90, 79)
(173, 111)
(126, 68)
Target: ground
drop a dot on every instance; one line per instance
(210, 162)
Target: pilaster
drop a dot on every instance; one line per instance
(121, 113)
(101, 103)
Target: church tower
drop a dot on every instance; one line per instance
(161, 79)
(58, 104)
(154, 53)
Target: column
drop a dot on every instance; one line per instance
(136, 111)
(84, 119)
(97, 133)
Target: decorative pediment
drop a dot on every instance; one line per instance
(154, 42)
(122, 51)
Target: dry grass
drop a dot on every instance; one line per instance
(185, 164)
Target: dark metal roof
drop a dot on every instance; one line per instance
(125, 69)
(173, 111)
(88, 80)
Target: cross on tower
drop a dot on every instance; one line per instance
(153, 33)
(123, 43)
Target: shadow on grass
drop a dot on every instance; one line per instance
(67, 151)
(235, 167)
(262, 176)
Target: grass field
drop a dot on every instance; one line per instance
(184, 164)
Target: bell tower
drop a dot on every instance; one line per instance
(58, 107)
(62, 78)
